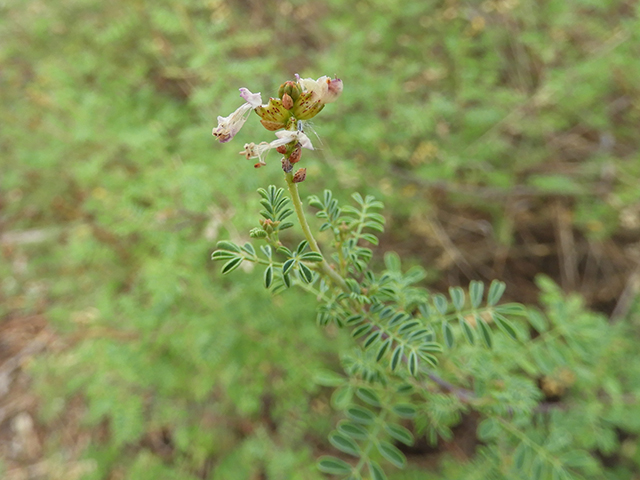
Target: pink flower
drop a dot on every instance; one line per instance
(287, 136)
(325, 89)
(229, 126)
(251, 150)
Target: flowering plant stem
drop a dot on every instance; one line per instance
(297, 204)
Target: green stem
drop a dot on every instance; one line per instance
(343, 264)
(297, 205)
(375, 431)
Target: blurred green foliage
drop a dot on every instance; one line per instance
(107, 109)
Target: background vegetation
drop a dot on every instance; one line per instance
(501, 135)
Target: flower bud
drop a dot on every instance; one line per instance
(300, 175)
(287, 101)
(290, 88)
(296, 154)
(257, 233)
(267, 225)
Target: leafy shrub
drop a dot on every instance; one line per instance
(496, 111)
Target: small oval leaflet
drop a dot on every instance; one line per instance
(368, 396)
(447, 331)
(504, 325)
(249, 249)
(496, 289)
(361, 330)
(305, 273)
(328, 378)
(301, 247)
(399, 433)
(392, 454)
(404, 410)
(371, 339)
(342, 397)
(427, 357)
(485, 331)
(226, 245)
(476, 291)
(311, 257)
(344, 444)
(353, 430)
(333, 466)
(413, 363)
(231, 265)
(360, 415)
(396, 356)
(286, 279)
(383, 349)
(457, 297)
(287, 266)
(376, 471)
(268, 276)
(223, 255)
(488, 429)
(440, 302)
(468, 331)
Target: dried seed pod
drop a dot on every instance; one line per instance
(286, 165)
(296, 154)
(300, 175)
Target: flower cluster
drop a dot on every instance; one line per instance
(298, 101)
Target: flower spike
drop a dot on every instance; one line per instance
(297, 101)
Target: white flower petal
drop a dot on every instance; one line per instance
(229, 126)
(251, 150)
(253, 99)
(334, 89)
(287, 136)
(304, 141)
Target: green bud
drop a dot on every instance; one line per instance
(257, 233)
(290, 88)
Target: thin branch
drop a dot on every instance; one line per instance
(313, 244)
